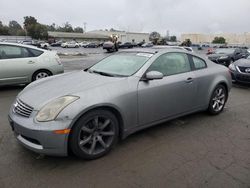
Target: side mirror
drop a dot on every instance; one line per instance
(154, 75)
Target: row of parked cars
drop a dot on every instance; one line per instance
(236, 59)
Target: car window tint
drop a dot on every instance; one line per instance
(35, 53)
(171, 63)
(198, 63)
(10, 52)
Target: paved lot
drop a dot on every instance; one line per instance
(195, 151)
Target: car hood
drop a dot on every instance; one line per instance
(40, 92)
(243, 63)
(214, 56)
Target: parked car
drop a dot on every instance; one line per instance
(126, 45)
(22, 64)
(109, 46)
(44, 45)
(240, 70)
(56, 44)
(71, 44)
(140, 43)
(83, 44)
(92, 45)
(147, 45)
(226, 56)
(88, 111)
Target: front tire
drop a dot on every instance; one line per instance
(218, 100)
(94, 134)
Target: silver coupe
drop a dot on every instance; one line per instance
(88, 111)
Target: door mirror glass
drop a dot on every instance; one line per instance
(154, 75)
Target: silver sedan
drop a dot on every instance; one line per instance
(90, 110)
(22, 64)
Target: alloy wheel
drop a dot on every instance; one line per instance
(96, 135)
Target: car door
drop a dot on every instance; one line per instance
(16, 64)
(173, 95)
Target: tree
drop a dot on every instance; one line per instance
(4, 30)
(35, 29)
(51, 27)
(173, 38)
(219, 40)
(154, 37)
(187, 42)
(66, 28)
(15, 28)
(78, 30)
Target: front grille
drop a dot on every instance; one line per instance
(22, 109)
(243, 78)
(243, 69)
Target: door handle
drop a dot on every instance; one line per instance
(31, 62)
(189, 80)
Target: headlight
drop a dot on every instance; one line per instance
(223, 57)
(51, 110)
(232, 67)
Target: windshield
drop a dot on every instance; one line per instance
(224, 51)
(121, 64)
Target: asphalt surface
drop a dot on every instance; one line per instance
(198, 150)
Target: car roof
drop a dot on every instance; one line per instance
(21, 45)
(153, 50)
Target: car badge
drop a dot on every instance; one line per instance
(247, 70)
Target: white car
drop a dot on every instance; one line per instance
(44, 45)
(84, 44)
(71, 44)
(22, 64)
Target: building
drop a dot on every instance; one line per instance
(66, 36)
(8, 38)
(231, 38)
(124, 36)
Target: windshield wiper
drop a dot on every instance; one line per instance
(102, 73)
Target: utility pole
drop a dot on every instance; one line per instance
(85, 27)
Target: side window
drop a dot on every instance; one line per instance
(199, 63)
(10, 52)
(35, 53)
(171, 63)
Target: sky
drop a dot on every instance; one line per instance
(175, 16)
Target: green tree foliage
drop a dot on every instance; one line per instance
(173, 38)
(154, 37)
(4, 30)
(35, 29)
(219, 40)
(187, 42)
(15, 28)
(78, 30)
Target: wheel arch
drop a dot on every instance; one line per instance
(110, 108)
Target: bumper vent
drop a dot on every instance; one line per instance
(22, 109)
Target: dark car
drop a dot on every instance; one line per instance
(226, 56)
(56, 44)
(126, 45)
(240, 70)
(140, 43)
(92, 45)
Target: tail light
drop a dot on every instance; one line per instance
(58, 61)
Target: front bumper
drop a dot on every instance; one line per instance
(240, 77)
(40, 137)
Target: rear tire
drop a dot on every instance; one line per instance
(41, 74)
(94, 134)
(218, 100)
